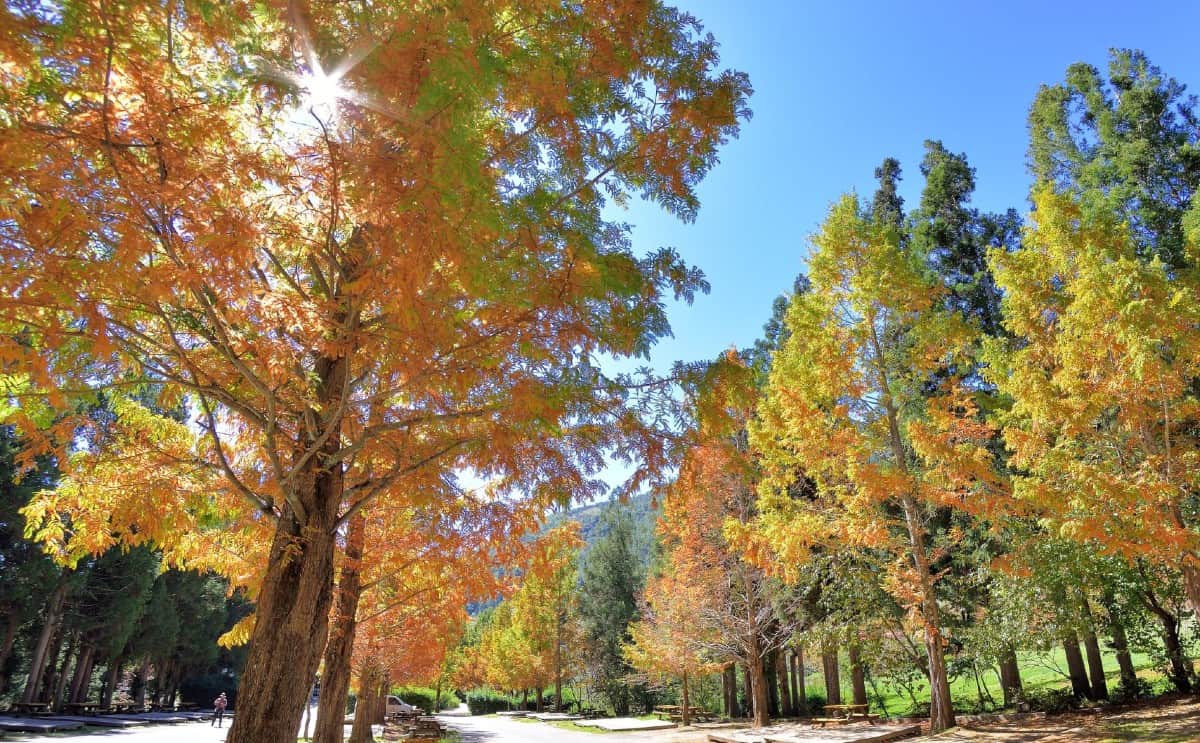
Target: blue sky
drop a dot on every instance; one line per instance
(841, 85)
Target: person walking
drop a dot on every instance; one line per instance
(219, 705)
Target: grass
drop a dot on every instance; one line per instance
(1039, 671)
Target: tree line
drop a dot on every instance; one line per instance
(965, 435)
(966, 440)
(112, 629)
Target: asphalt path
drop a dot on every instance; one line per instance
(180, 732)
(506, 730)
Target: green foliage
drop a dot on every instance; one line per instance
(426, 698)
(1129, 144)
(26, 573)
(484, 702)
(613, 576)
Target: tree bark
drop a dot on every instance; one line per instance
(369, 693)
(1120, 645)
(758, 692)
(729, 691)
(335, 680)
(57, 682)
(941, 710)
(786, 708)
(37, 664)
(1095, 665)
(1010, 677)
(1075, 667)
(687, 714)
(83, 672)
(1180, 665)
(829, 668)
(798, 679)
(290, 631)
(110, 683)
(858, 681)
(1191, 577)
(293, 603)
(139, 699)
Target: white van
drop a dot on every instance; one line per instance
(397, 706)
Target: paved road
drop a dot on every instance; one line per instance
(182, 732)
(505, 730)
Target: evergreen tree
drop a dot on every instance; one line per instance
(25, 570)
(1129, 144)
(613, 576)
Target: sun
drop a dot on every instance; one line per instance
(322, 92)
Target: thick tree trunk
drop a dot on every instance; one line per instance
(829, 668)
(1191, 580)
(83, 673)
(290, 631)
(143, 676)
(1095, 661)
(369, 695)
(1010, 677)
(1075, 667)
(1091, 645)
(858, 681)
(1120, 645)
(1180, 665)
(786, 708)
(110, 683)
(293, 603)
(758, 692)
(541, 697)
(50, 623)
(56, 684)
(335, 680)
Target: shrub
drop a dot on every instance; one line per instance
(815, 702)
(1050, 700)
(424, 697)
(487, 702)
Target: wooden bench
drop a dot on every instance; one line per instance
(823, 721)
(675, 713)
(31, 708)
(841, 714)
(422, 729)
(84, 708)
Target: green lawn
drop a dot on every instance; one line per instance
(1039, 671)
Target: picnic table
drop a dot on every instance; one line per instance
(32, 708)
(84, 708)
(422, 728)
(836, 714)
(675, 713)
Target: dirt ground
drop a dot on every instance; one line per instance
(1169, 722)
